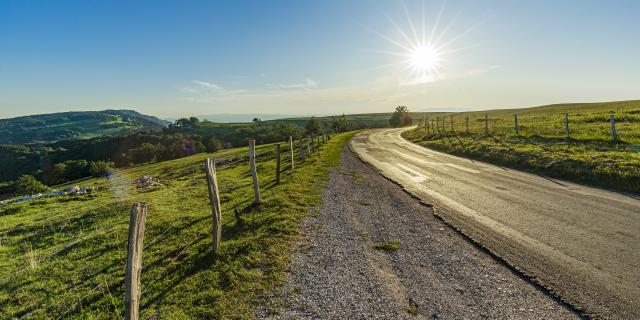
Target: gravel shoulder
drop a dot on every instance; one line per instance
(338, 273)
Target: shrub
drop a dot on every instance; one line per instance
(27, 185)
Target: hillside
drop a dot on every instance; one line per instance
(64, 256)
(74, 125)
(580, 149)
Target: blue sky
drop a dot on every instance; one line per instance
(180, 58)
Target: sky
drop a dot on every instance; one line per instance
(180, 58)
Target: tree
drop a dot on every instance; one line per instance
(28, 185)
(213, 145)
(313, 126)
(100, 168)
(401, 117)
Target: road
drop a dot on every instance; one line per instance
(579, 242)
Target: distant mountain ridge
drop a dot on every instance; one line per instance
(75, 125)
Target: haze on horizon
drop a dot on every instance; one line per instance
(179, 58)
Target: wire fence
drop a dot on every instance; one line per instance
(75, 289)
(619, 126)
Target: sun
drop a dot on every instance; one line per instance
(424, 59)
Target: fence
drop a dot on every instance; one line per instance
(86, 282)
(612, 126)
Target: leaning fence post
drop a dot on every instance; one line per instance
(301, 150)
(291, 151)
(254, 171)
(134, 260)
(214, 197)
(486, 124)
(515, 119)
(614, 134)
(278, 163)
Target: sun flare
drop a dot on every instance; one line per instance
(424, 59)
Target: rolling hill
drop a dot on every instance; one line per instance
(75, 125)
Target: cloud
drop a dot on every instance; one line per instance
(208, 85)
(307, 84)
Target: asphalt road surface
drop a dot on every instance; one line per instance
(579, 242)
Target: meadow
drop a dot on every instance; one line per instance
(587, 154)
(64, 257)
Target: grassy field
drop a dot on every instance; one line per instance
(64, 257)
(587, 155)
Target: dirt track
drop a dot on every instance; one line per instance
(435, 274)
(582, 243)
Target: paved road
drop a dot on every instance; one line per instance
(581, 243)
(336, 273)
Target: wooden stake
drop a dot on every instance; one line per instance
(309, 145)
(291, 152)
(214, 198)
(134, 261)
(278, 163)
(515, 119)
(301, 150)
(466, 124)
(254, 171)
(451, 121)
(566, 123)
(614, 134)
(486, 124)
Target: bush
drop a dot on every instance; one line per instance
(27, 185)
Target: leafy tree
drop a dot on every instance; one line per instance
(400, 117)
(100, 168)
(27, 185)
(214, 144)
(56, 174)
(313, 126)
(195, 122)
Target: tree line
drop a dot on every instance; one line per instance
(27, 169)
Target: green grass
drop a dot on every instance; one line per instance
(587, 156)
(65, 257)
(391, 246)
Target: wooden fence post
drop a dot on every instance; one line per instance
(466, 124)
(438, 124)
(291, 152)
(301, 150)
(426, 123)
(486, 124)
(278, 163)
(214, 198)
(309, 145)
(614, 134)
(433, 127)
(566, 123)
(515, 119)
(254, 171)
(451, 121)
(137, 221)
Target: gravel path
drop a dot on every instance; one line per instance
(336, 273)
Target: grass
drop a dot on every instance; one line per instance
(588, 155)
(65, 257)
(391, 246)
